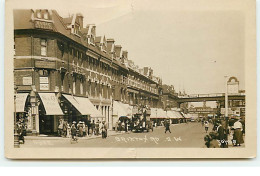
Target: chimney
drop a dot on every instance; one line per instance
(125, 54)
(118, 50)
(80, 16)
(110, 43)
(146, 71)
(151, 72)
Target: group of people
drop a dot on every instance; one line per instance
(222, 132)
(21, 130)
(81, 129)
(122, 126)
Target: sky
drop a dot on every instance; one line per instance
(189, 48)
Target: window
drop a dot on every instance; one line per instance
(74, 85)
(46, 16)
(81, 88)
(43, 47)
(39, 15)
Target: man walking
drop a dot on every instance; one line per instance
(167, 126)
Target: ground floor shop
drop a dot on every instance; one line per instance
(42, 111)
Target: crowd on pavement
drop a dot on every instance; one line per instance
(224, 131)
(81, 129)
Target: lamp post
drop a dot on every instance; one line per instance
(226, 108)
(226, 97)
(16, 136)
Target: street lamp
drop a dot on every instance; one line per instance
(226, 105)
(226, 97)
(16, 136)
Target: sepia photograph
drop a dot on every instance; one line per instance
(131, 78)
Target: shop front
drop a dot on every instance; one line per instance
(80, 109)
(49, 113)
(119, 110)
(22, 108)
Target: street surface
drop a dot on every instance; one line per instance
(189, 135)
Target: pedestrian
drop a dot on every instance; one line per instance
(89, 126)
(211, 140)
(119, 126)
(97, 128)
(68, 131)
(60, 127)
(104, 130)
(80, 128)
(221, 134)
(20, 132)
(73, 131)
(100, 127)
(206, 124)
(64, 129)
(93, 127)
(84, 129)
(238, 135)
(116, 127)
(167, 126)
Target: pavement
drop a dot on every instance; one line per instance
(46, 137)
(190, 135)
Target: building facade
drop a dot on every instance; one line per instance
(62, 70)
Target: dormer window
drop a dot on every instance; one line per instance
(46, 16)
(39, 15)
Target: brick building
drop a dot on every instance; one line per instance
(63, 70)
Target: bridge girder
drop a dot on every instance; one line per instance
(201, 99)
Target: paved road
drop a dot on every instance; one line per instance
(189, 135)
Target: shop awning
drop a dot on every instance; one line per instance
(50, 103)
(128, 108)
(119, 109)
(178, 114)
(89, 107)
(84, 106)
(20, 101)
(172, 115)
(157, 113)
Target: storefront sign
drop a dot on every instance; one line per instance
(242, 111)
(233, 111)
(44, 86)
(27, 81)
(44, 80)
(45, 64)
(208, 110)
(43, 25)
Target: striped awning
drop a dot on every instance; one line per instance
(20, 101)
(50, 103)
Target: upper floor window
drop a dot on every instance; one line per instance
(81, 87)
(46, 16)
(43, 47)
(74, 86)
(39, 15)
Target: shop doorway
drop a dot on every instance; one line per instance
(46, 124)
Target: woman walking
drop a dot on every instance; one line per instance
(238, 135)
